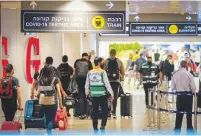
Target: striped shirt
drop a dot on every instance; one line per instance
(183, 81)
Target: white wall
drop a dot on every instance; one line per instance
(51, 44)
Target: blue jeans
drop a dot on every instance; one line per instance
(50, 114)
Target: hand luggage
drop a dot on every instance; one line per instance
(126, 105)
(69, 102)
(12, 125)
(61, 119)
(33, 115)
(78, 112)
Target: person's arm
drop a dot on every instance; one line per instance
(90, 65)
(122, 70)
(19, 99)
(192, 84)
(61, 89)
(32, 90)
(107, 85)
(59, 96)
(87, 85)
(173, 85)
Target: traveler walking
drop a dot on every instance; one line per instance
(129, 68)
(139, 63)
(149, 73)
(183, 82)
(55, 73)
(115, 71)
(97, 86)
(49, 94)
(66, 71)
(167, 67)
(82, 66)
(157, 57)
(34, 85)
(11, 100)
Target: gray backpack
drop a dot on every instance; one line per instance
(82, 68)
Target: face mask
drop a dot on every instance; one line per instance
(149, 63)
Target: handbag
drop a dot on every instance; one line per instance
(47, 100)
(73, 87)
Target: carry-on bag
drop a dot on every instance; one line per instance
(10, 126)
(126, 105)
(61, 119)
(33, 115)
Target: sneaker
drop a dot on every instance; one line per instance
(68, 114)
(114, 116)
(82, 117)
(102, 128)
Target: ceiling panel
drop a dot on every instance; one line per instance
(138, 6)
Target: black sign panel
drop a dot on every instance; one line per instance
(54, 21)
(163, 29)
(199, 29)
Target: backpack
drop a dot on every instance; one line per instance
(139, 64)
(156, 57)
(6, 88)
(113, 69)
(47, 93)
(82, 68)
(64, 70)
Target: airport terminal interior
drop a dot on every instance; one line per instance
(32, 30)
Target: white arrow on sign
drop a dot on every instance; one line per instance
(188, 18)
(137, 18)
(110, 5)
(33, 4)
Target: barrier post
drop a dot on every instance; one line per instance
(158, 109)
(195, 112)
(149, 105)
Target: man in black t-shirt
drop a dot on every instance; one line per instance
(66, 71)
(82, 66)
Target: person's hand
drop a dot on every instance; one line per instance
(20, 108)
(111, 98)
(64, 94)
(61, 106)
(32, 96)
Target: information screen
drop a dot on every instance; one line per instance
(163, 29)
(54, 21)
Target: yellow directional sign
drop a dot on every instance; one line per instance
(173, 29)
(98, 22)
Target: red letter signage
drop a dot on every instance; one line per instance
(33, 42)
(5, 53)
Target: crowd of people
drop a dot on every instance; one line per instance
(100, 79)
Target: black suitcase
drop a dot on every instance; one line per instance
(77, 108)
(126, 105)
(34, 117)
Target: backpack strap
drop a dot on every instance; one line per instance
(52, 83)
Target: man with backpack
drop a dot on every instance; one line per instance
(10, 94)
(66, 71)
(139, 64)
(157, 57)
(82, 67)
(115, 71)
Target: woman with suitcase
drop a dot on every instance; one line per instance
(49, 90)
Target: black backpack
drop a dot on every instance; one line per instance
(156, 56)
(82, 68)
(113, 69)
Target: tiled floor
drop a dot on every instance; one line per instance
(137, 124)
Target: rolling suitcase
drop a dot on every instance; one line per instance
(77, 111)
(33, 115)
(126, 105)
(12, 126)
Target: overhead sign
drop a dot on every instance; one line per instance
(163, 29)
(163, 17)
(199, 29)
(54, 21)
